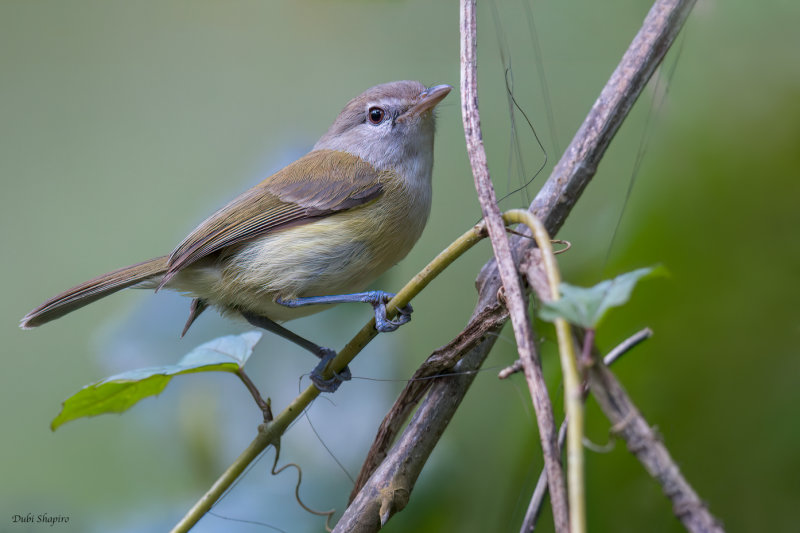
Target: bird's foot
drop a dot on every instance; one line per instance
(326, 355)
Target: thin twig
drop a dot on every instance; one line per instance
(579, 163)
(573, 397)
(266, 410)
(539, 493)
(642, 441)
(588, 344)
(627, 345)
(516, 299)
(277, 470)
(513, 368)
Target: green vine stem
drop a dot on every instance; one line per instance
(270, 433)
(573, 396)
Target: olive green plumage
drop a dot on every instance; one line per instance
(329, 223)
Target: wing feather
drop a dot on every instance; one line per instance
(290, 196)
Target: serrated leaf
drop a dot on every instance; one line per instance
(119, 393)
(587, 306)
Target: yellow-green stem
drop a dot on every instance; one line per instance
(569, 367)
(270, 433)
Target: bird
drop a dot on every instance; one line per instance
(313, 234)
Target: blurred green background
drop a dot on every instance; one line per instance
(124, 124)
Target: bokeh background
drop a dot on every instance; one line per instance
(124, 124)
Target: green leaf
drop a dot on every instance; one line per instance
(120, 392)
(587, 306)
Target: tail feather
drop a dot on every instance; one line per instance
(92, 290)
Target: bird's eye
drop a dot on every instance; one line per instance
(376, 115)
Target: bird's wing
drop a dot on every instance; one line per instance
(317, 185)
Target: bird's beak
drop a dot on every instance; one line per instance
(427, 101)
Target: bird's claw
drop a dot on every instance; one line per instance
(328, 385)
(385, 325)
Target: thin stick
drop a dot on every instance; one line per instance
(516, 300)
(539, 493)
(488, 322)
(627, 345)
(573, 395)
(642, 441)
(266, 410)
(579, 163)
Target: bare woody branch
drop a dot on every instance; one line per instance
(440, 363)
(579, 163)
(552, 205)
(629, 424)
(388, 488)
(516, 298)
(539, 493)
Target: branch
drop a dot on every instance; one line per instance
(389, 484)
(516, 299)
(573, 394)
(552, 205)
(270, 433)
(389, 487)
(579, 163)
(629, 424)
(439, 364)
(535, 506)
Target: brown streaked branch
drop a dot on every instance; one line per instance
(552, 205)
(642, 442)
(488, 322)
(537, 500)
(516, 298)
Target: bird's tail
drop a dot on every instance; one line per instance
(94, 289)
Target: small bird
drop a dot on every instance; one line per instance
(312, 234)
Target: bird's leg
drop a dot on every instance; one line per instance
(197, 307)
(378, 299)
(325, 354)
